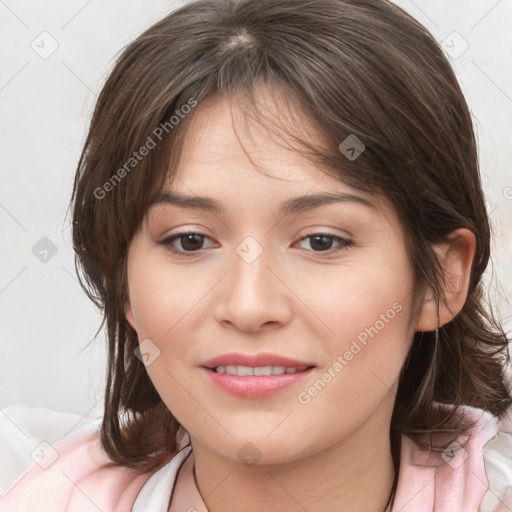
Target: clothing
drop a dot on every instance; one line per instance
(477, 478)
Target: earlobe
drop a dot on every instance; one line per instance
(456, 260)
(129, 315)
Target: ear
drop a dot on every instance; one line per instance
(129, 315)
(456, 259)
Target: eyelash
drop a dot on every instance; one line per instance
(167, 243)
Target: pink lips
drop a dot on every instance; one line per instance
(255, 386)
(263, 359)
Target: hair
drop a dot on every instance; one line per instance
(353, 67)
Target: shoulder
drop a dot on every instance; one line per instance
(72, 476)
(488, 455)
(497, 459)
(474, 473)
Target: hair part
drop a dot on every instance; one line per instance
(352, 67)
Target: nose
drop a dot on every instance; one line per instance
(253, 296)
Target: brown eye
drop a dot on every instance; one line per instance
(323, 242)
(190, 242)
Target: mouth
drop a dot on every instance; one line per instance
(258, 371)
(264, 363)
(255, 382)
(255, 375)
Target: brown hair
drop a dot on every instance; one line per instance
(356, 67)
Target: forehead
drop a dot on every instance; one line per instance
(228, 156)
(259, 134)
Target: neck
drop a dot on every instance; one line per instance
(354, 475)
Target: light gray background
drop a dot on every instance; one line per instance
(45, 105)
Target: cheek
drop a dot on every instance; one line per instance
(367, 294)
(162, 296)
(163, 302)
(366, 354)
(369, 319)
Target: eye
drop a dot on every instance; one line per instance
(322, 243)
(191, 242)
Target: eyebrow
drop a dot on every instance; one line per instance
(290, 206)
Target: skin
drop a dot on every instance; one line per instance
(332, 453)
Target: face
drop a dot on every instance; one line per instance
(326, 285)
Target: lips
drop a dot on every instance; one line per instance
(248, 376)
(258, 360)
